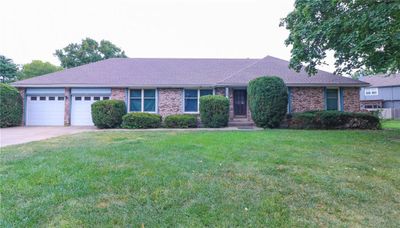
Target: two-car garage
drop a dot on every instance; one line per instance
(48, 107)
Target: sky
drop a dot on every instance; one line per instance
(33, 30)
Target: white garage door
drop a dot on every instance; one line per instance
(81, 109)
(45, 110)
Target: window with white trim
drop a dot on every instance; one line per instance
(142, 100)
(192, 101)
(371, 91)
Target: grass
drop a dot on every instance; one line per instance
(391, 124)
(185, 179)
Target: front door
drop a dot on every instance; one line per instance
(239, 102)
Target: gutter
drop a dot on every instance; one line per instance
(306, 85)
(179, 85)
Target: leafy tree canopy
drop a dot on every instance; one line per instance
(36, 68)
(87, 52)
(364, 35)
(8, 70)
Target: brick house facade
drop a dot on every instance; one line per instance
(171, 100)
(174, 86)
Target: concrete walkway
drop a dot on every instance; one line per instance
(18, 135)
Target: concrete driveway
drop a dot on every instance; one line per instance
(18, 135)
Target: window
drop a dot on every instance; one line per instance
(33, 98)
(78, 98)
(106, 98)
(372, 106)
(87, 98)
(60, 98)
(192, 100)
(136, 100)
(332, 99)
(96, 98)
(149, 100)
(52, 98)
(371, 91)
(42, 98)
(142, 100)
(204, 92)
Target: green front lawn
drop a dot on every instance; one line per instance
(391, 124)
(263, 178)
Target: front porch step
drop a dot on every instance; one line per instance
(240, 122)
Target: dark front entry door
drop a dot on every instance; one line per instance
(239, 102)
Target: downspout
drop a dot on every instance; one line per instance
(126, 99)
(325, 97)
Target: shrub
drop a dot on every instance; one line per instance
(305, 120)
(268, 99)
(141, 120)
(214, 111)
(108, 113)
(333, 120)
(181, 121)
(10, 106)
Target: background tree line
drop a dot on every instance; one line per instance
(73, 55)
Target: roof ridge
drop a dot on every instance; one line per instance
(242, 69)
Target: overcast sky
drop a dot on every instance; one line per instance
(146, 28)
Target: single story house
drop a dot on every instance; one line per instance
(173, 86)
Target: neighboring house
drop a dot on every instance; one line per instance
(173, 86)
(382, 93)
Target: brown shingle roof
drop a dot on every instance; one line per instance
(142, 72)
(271, 66)
(382, 80)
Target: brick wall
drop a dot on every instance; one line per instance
(118, 94)
(170, 101)
(307, 98)
(22, 93)
(351, 99)
(67, 108)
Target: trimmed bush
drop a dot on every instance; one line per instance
(10, 106)
(108, 113)
(214, 111)
(141, 120)
(303, 120)
(181, 121)
(268, 100)
(333, 120)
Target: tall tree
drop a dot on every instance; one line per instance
(87, 52)
(364, 35)
(36, 68)
(8, 70)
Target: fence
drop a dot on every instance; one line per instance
(388, 113)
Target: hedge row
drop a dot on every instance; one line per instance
(332, 120)
(181, 121)
(214, 112)
(10, 106)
